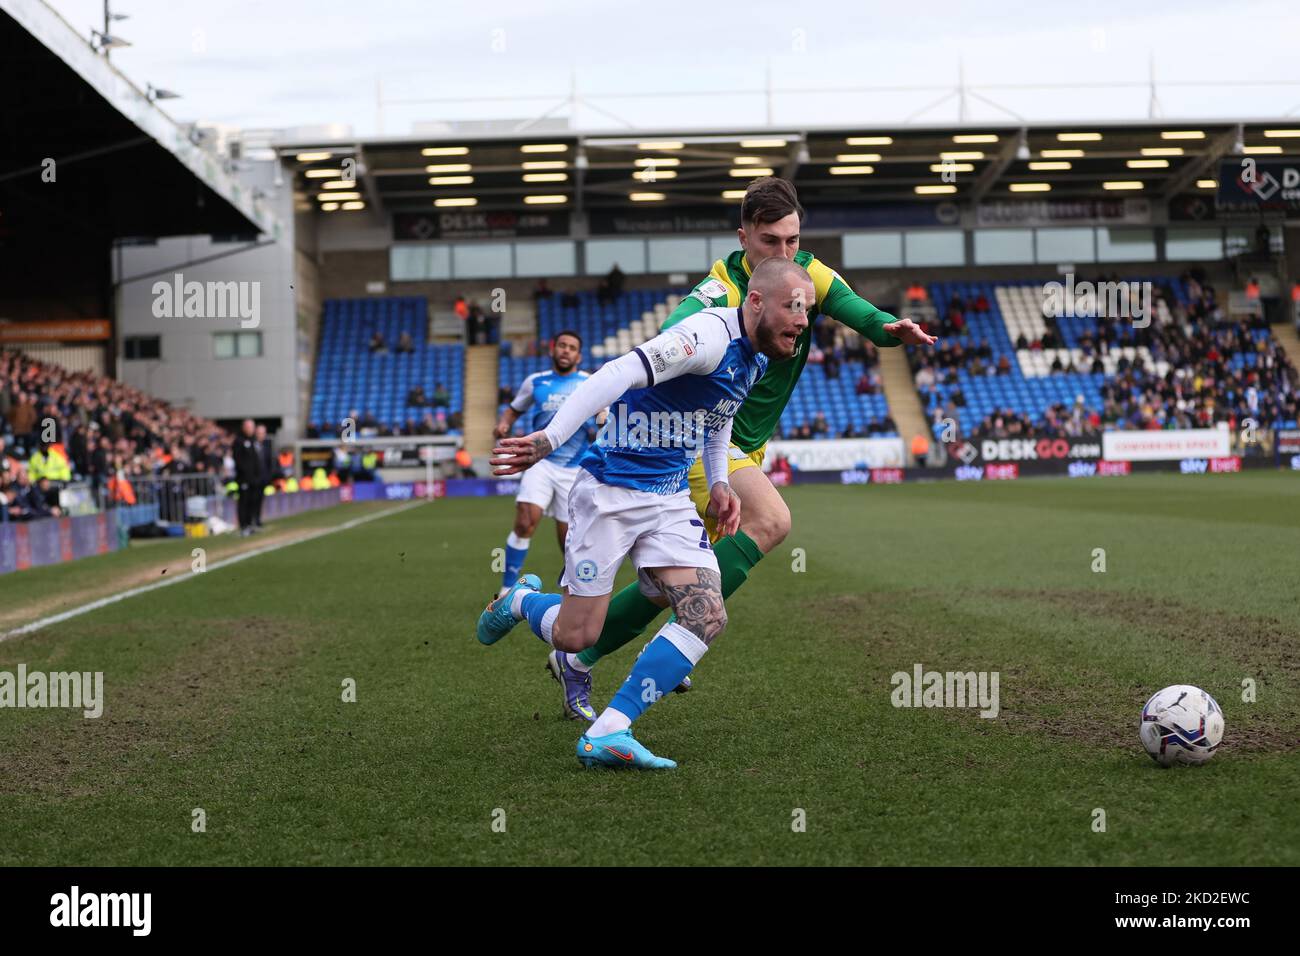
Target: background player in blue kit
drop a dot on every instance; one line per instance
(673, 401)
(544, 489)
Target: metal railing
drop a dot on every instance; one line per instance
(173, 494)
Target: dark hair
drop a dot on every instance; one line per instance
(568, 332)
(768, 199)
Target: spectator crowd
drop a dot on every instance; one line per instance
(439, 421)
(1204, 370)
(58, 426)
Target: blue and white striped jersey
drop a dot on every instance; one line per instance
(543, 393)
(700, 371)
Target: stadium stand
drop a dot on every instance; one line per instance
(1003, 368)
(608, 329)
(973, 376)
(839, 394)
(373, 363)
(104, 432)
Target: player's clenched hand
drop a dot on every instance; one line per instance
(500, 431)
(514, 455)
(909, 333)
(725, 505)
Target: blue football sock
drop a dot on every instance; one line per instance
(516, 554)
(534, 607)
(669, 657)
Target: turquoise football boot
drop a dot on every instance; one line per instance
(496, 620)
(619, 750)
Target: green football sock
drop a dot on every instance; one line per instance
(736, 556)
(631, 612)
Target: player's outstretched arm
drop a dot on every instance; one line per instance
(845, 306)
(908, 332)
(517, 454)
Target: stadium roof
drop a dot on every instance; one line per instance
(121, 167)
(843, 165)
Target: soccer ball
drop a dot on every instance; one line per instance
(1181, 724)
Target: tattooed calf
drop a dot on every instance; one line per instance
(699, 606)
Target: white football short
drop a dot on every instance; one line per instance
(610, 522)
(547, 486)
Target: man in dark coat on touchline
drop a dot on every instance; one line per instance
(266, 458)
(248, 475)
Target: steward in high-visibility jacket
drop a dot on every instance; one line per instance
(51, 463)
(318, 480)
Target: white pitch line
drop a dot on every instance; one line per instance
(224, 563)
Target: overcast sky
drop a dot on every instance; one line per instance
(286, 63)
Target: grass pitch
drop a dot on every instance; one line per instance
(225, 693)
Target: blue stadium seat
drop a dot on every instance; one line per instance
(349, 378)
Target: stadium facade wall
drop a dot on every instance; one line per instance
(344, 276)
(307, 300)
(1046, 273)
(1292, 254)
(346, 271)
(344, 232)
(190, 374)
